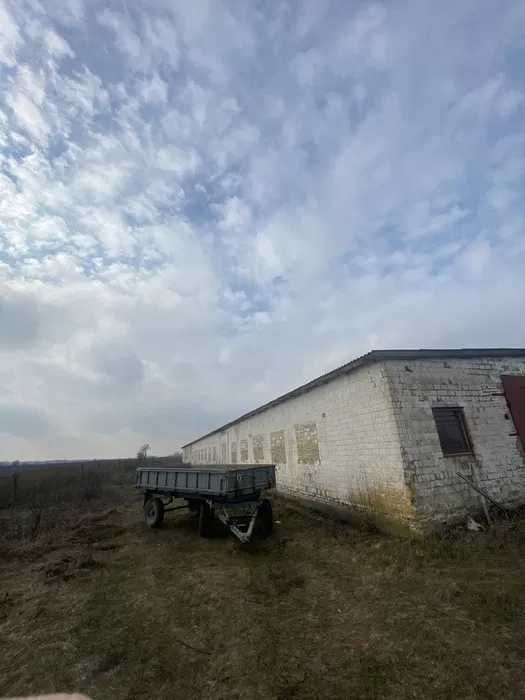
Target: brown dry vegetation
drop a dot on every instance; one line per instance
(97, 603)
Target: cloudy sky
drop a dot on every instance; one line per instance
(205, 204)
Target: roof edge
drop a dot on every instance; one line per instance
(368, 358)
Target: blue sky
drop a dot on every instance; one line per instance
(205, 204)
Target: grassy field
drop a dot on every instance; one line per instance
(95, 602)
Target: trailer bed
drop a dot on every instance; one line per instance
(215, 481)
(227, 492)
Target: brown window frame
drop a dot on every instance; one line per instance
(459, 414)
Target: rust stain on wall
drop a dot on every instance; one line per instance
(244, 450)
(258, 449)
(278, 447)
(307, 443)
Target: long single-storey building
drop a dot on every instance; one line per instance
(389, 433)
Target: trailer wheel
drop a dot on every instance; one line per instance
(153, 512)
(205, 520)
(194, 505)
(264, 522)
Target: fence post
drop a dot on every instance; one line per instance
(15, 488)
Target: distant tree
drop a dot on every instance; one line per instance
(177, 456)
(143, 452)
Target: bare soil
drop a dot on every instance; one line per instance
(97, 603)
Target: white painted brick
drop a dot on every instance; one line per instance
(378, 435)
(499, 458)
(358, 438)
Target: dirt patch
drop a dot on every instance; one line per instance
(319, 610)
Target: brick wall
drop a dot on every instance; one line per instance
(336, 443)
(417, 386)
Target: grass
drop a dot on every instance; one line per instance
(319, 610)
(66, 484)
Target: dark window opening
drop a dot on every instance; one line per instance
(452, 431)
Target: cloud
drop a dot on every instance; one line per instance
(200, 209)
(22, 421)
(10, 37)
(126, 40)
(30, 117)
(154, 90)
(119, 366)
(19, 320)
(158, 44)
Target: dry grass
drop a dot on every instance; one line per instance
(102, 605)
(66, 484)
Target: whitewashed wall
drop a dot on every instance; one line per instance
(417, 386)
(341, 443)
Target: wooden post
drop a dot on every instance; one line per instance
(15, 488)
(475, 479)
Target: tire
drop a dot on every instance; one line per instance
(206, 520)
(153, 512)
(264, 522)
(194, 506)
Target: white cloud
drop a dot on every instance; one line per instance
(10, 38)
(177, 160)
(26, 98)
(161, 37)
(156, 45)
(30, 117)
(361, 42)
(154, 90)
(69, 13)
(55, 44)
(476, 257)
(181, 186)
(126, 40)
(495, 96)
(235, 216)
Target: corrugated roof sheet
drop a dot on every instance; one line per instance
(370, 357)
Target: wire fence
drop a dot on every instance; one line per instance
(53, 483)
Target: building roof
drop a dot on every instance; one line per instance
(369, 358)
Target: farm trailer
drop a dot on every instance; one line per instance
(234, 495)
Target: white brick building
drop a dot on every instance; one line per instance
(389, 432)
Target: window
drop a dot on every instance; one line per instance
(244, 450)
(307, 443)
(258, 449)
(452, 431)
(278, 447)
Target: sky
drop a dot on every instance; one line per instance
(206, 204)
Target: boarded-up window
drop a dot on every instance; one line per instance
(244, 450)
(224, 453)
(307, 443)
(234, 453)
(452, 430)
(278, 447)
(215, 454)
(514, 388)
(258, 449)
